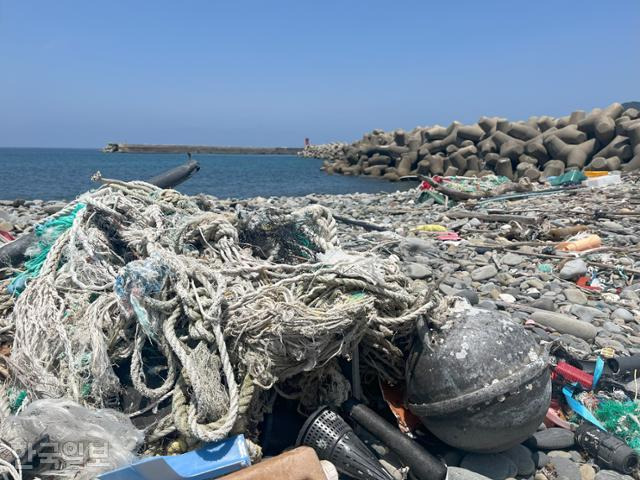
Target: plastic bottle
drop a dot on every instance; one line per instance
(580, 245)
(603, 181)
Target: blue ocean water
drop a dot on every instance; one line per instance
(44, 173)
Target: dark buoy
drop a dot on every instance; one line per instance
(477, 380)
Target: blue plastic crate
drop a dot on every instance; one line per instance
(211, 461)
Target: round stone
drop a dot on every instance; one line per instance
(551, 439)
(497, 466)
(523, 459)
(457, 473)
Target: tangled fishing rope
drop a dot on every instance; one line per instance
(201, 309)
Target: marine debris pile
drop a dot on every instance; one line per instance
(470, 327)
(605, 139)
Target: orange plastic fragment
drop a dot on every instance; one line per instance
(586, 243)
(394, 396)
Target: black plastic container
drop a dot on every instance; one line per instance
(333, 439)
(608, 450)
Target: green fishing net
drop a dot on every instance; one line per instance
(46, 233)
(622, 419)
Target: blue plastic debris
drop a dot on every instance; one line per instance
(211, 461)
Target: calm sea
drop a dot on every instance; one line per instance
(46, 174)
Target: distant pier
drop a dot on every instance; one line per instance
(140, 148)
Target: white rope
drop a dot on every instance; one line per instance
(14, 471)
(197, 302)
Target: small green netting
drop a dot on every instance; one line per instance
(47, 233)
(16, 398)
(622, 419)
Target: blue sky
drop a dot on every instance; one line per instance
(83, 73)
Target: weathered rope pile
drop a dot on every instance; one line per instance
(200, 309)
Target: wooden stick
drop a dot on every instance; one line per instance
(360, 223)
(493, 218)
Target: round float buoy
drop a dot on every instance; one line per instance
(478, 380)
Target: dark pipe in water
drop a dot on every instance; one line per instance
(175, 176)
(12, 254)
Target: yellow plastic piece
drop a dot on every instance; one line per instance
(608, 352)
(429, 228)
(594, 174)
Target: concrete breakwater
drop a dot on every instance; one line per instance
(604, 139)
(201, 149)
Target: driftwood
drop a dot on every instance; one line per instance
(360, 223)
(562, 233)
(493, 218)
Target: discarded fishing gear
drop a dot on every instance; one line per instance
(154, 292)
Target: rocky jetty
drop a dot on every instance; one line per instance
(605, 139)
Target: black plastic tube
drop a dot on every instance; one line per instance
(175, 176)
(12, 254)
(422, 465)
(622, 365)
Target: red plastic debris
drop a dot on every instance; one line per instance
(436, 179)
(583, 282)
(7, 236)
(449, 236)
(571, 374)
(553, 419)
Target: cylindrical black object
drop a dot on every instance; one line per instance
(12, 254)
(422, 465)
(623, 365)
(479, 382)
(608, 450)
(333, 439)
(175, 176)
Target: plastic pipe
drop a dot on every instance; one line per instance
(622, 365)
(573, 374)
(175, 176)
(422, 464)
